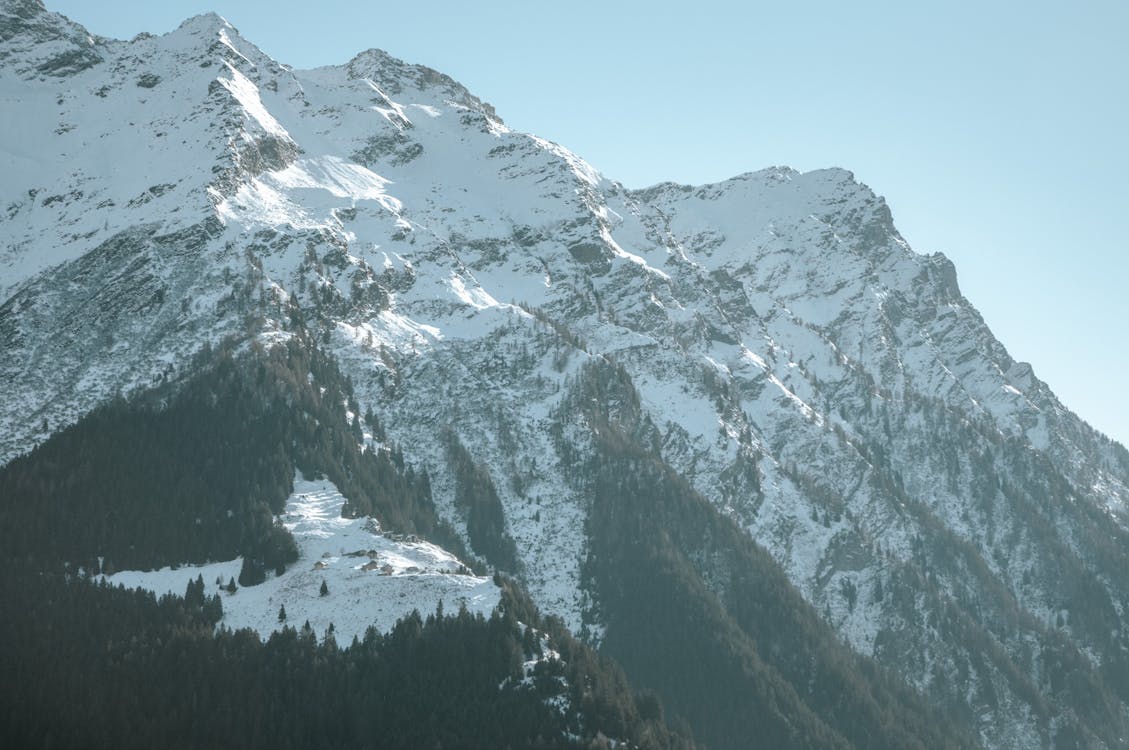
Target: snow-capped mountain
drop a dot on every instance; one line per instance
(778, 344)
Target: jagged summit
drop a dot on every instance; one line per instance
(217, 38)
(208, 38)
(393, 74)
(208, 21)
(779, 173)
(40, 44)
(750, 213)
(31, 19)
(831, 180)
(24, 9)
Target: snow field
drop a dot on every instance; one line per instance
(373, 578)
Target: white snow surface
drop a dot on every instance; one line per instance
(374, 578)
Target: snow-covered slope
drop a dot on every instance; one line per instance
(373, 577)
(826, 387)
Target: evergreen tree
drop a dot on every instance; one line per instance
(213, 610)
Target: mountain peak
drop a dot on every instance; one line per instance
(25, 9)
(43, 43)
(210, 33)
(393, 75)
(17, 16)
(206, 23)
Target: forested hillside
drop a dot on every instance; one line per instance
(743, 654)
(93, 666)
(197, 469)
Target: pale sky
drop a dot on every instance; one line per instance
(995, 130)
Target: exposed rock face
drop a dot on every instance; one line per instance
(793, 359)
(39, 44)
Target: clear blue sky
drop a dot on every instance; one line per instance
(996, 130)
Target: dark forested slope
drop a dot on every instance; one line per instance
(695, 609)
(197, 469)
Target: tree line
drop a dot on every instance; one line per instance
(90, 665)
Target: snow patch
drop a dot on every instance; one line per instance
(373, 577)
(247, 94)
